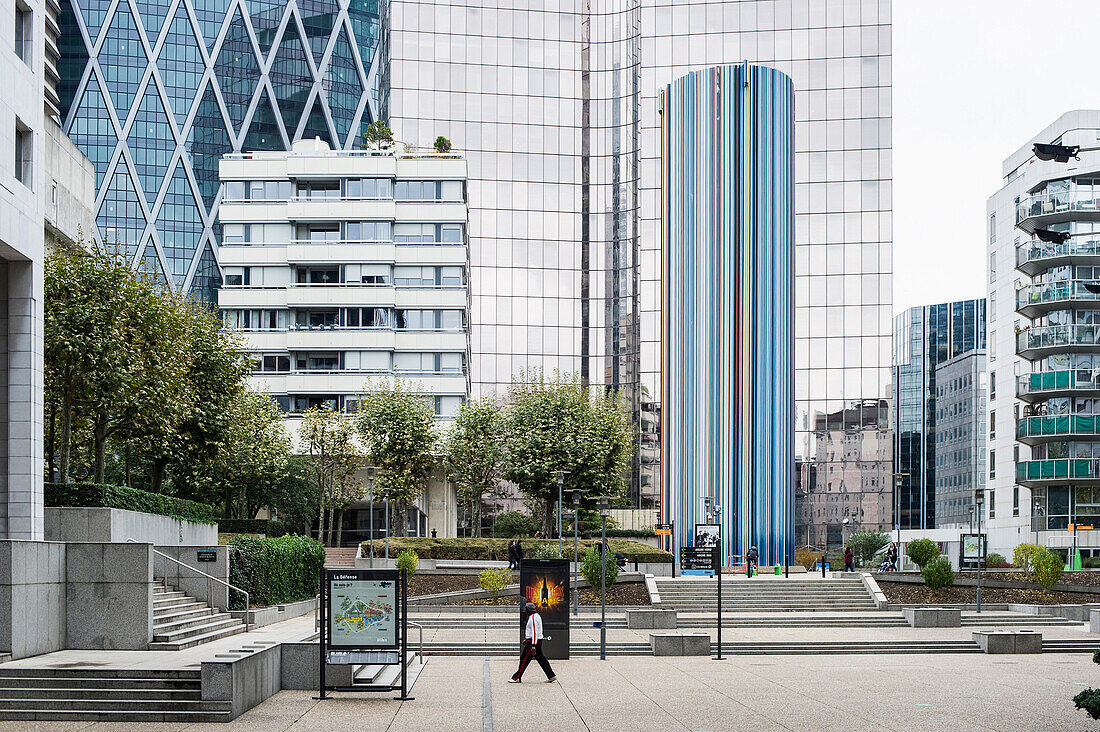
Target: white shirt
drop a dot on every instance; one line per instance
(534, 628)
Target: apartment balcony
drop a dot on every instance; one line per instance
(354, 382)
(339, 294)
(1053, 207)
(1034, 300)
(247, 212)
(1079, 471)
(257, 255)
(432, 211)
(1035, 257)
(252, 297)
(340, 252)
(338, 339)
(1040, 341)
(339, 209)
(1062, 427)
(1040, 386)
(452, 298)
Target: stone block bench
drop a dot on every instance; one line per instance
(644, 619)
(680, 643)
(933, 617)
(1009, 641)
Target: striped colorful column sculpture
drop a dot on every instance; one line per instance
(727, 426)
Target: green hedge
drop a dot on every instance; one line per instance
(101, 495)
(627, 533)
(497, 549)
(274, 570)
(252, 526)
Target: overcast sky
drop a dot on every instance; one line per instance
(973, 81)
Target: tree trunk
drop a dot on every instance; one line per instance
(99, 436)
(66, 438)
(156, 474)
(127, 463)
(548, 519)
(328, 536)
(227, 501)
(50, 442)
(340, 527)
(475, 509)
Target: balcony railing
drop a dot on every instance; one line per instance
(1032, 255)
(1059, 426)
(1064, 380)
(1056, 202)
(1028, 471)
(1057, 336)
(1046, 295)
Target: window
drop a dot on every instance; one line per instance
(992, 464)
(992, 228)
(256, 319)
(992, 424)
(24, 33)
(1015, 500)
(369, 231)
(368, 188)
(992, 385)
(428, 190)
(319, 189)
(24, 149)
(438, 234)
(428, 276)
(272, 363)
(991, 500)
(993, 306)
(993, 266)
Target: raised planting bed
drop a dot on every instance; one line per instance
(497, 549)
(903, 593)
(632, 594)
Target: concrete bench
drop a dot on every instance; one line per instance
(680, 643)
(645, 619)
(933, 617)
(1094, 621)
(1009, 641)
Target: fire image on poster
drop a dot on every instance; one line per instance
(549, 594)
(362, 613)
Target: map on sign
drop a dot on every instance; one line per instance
(362, 613)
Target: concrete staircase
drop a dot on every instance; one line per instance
(181, 621)
(341, 557)
(106, 695)
(765, 595)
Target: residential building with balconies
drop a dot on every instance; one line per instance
(1044, 255)
(344, 268)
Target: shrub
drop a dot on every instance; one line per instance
(865, 543)
(378, 133)
(252, 526)
(938, 573)
(102, 495)
(511, 524)
(494, 580)
(497, 549)
(408, 561)
(1023, 556)
(1046, 568)
(922, 551)
(630, 533)
(996, 561)
(590, 567)
(1089, 699)
(442, 144)
(807, 557)
(544, 551)
(274, 570)
(1091, 563)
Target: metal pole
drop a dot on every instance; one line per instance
(981, 544)
(372, 523)
(719, 573)
(561, 550)
(603, 587)
(576, 600)
(323, 609)
(387, 526)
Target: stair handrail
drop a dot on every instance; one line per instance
(419, 642)
(247, 602)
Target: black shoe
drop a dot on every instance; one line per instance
(552, 679)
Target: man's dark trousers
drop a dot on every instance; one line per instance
(525, 655)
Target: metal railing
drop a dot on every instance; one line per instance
(209, 578)
(419, 642)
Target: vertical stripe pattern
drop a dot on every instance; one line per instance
(728, 306)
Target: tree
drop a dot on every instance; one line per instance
(378, 134)
(328, 439)
(398, 431)
(590, 568)
(293, 500)
(1023, 556)
(442, 144)
(922, 551)
(865, 543)
(561, 424)
(1046, 568)
(474, 450)
(511, 524)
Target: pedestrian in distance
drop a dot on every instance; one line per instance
(752, 560)
(849, 559)
(519, 552)
(511, 554)
(532, 647)
(892, 556)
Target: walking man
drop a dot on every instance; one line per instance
(532, 646)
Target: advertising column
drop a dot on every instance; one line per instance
(545, 582)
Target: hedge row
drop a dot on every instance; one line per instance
(628, 533)
(274, 570)
(497, 549)
(102, 495)
(252, 526)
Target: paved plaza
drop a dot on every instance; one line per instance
(864, 692)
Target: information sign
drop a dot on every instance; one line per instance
(663, 529)
(698, 560)
(363, 609)
(973, 547)
(207, 555)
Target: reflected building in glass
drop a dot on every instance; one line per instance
(155, 92)
(556, 109)
(924, 338)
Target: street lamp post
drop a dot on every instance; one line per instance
(717, 518)
(897, 507)
(370, 487)
(387, 497)
(979, 499)
(605, 509)
(560, 475)
(576, 521)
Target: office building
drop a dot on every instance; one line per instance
(154, 93)
(728, 307)
(345, 268)
(961, 429)
(1044, 346)
(925, 337)
(556, 108)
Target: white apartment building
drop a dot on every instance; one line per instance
(1044, 343)
(345, 267)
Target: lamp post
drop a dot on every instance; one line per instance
(576, 521)
(560, 475)
(897, 506)
(605, 509)
(979, 499)
(370, 487)
(717, 518)
(386, 494)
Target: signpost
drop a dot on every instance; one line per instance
(662, 529)
(972, 548)
(699, 560)
(364, 620)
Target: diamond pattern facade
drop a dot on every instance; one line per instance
(226, 76)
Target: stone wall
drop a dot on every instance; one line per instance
(117, 525)
(187, 580)
(32, 598)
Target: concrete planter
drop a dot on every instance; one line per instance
(643, 619)
(1009, 641)
(933, 617)
(680, 643)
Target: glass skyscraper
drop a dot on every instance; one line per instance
(155, 91)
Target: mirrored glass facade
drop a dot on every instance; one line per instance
(155, 91)
(555, 107)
